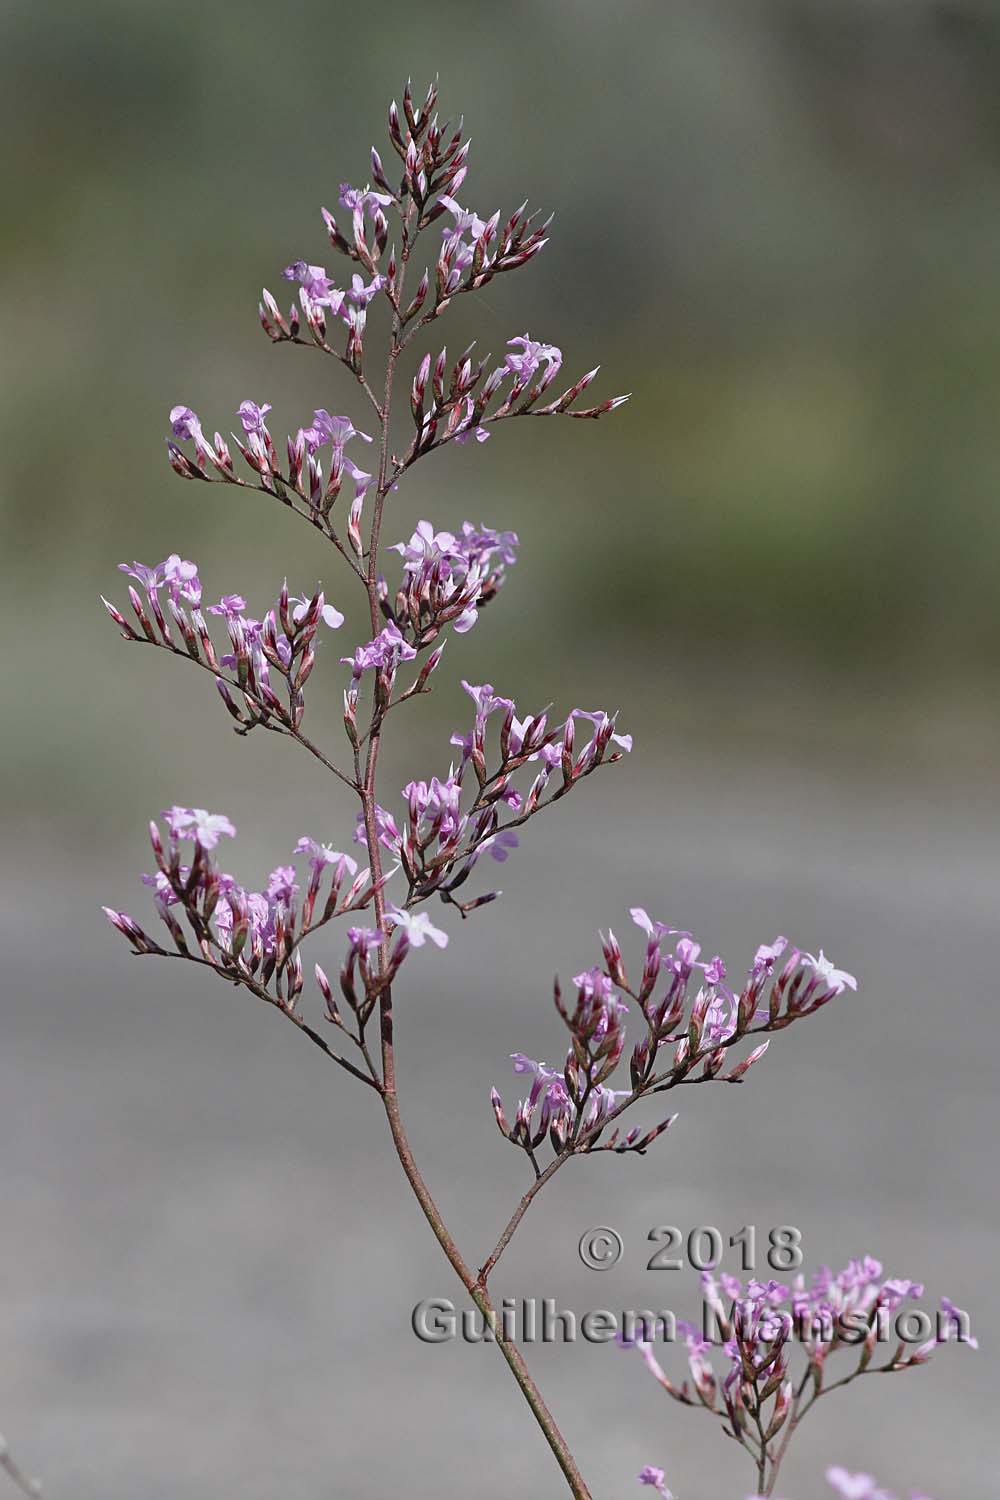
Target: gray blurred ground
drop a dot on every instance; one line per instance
(778, 222)
(209, 1261)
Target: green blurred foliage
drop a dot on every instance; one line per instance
(776, 221)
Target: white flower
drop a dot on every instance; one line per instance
(418, 928)
(837, 980)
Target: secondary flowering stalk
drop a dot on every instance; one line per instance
(782, 1345)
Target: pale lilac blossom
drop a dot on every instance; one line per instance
(525, 364)
(855, 1486)
(185, 424)
(228, 605)
(384, 652)
(832, 978)
(327, 613)
(321, 855)
(657, 1479)
(252, 418)
(418, 927)
(195, 823)
(353, 198)
(150, 578)
(316, 286)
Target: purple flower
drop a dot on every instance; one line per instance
(656, 1479)
(360, 294)
(163, 892)
(958, 1322)
(321, 855)
(150, 578)
(448, 577)
(181, 578)
(418, 928)
(281, 885)
(465, 430)
(601, 722)
(363, 940)
(387, 650)
(354, 199)
(500, 844)
(337, 431)
(388, 834)
(184, 424)
(195, 823)
(653, 930)
(425, 546)
(328, 614)
(479, 543)
(252, 417)
(228, 605)
(466, 222)
(855, 1486)
(524, 365)
(315, 284)
(486, 701)
(436, 803)
(766, 957)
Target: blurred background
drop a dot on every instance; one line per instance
(778, 223)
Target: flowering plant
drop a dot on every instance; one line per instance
(507, 767)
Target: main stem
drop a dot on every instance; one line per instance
(475, 1286)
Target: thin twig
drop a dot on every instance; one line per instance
(13, 1470)
(286, 729)
(235, 976)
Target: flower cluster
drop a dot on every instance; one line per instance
(318, 294)
(458, 403)
(448, 403)
(572, 1105)
(563, 1105)
(304, 477)
(848, 1486)
(757, 1329)
(448, 579)
(440, 841)
(252, 937)
(279, 647)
